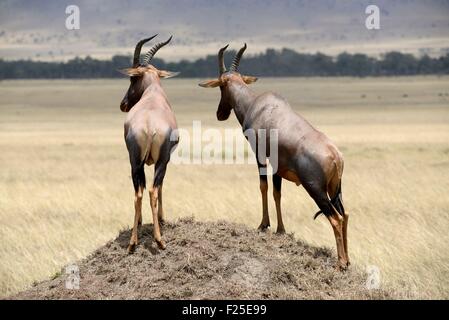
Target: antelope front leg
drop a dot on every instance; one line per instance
(277, 183)
(156, 229)
(137, 217)
(264, 191)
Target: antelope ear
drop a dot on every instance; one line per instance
(132, 71)
(249, 79)
(166, 74)
(210, 83)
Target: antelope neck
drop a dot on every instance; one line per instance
(242, 99)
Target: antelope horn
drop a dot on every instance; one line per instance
(136, 60)
(150, 54)
(221, 63)
(238, 56)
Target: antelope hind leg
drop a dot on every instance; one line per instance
(160, 210)
(345, 236)
(156, 228)
(277, 183)
(137, 215)
(336, 222)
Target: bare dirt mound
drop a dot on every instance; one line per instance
(209, 261)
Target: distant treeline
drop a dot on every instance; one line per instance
(284, 63)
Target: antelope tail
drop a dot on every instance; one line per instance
(337, 202)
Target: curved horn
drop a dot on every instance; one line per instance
(136, 59)
(238, 56)
(150, 54)
(221, 63)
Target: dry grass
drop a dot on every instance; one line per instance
(65, 186)
(209, 260)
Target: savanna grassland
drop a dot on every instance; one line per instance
(65, 185)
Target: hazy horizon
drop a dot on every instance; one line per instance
(36, 30)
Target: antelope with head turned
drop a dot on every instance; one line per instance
(305, 155)
(150, 134)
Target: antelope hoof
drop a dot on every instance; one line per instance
(280, 231)
(263, 227)
(342, 266)
(161, 244)
(131, 248)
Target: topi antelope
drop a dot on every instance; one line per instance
(150, 134)
(305, 155)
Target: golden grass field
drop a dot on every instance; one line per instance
(65, 185)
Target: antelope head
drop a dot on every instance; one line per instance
(225, 78)
(142, 74)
